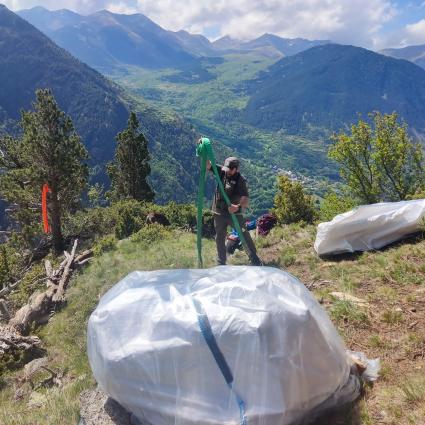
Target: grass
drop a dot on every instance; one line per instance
(391, 328)
(65, 335)
(346, 311)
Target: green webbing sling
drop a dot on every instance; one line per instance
(205, 151)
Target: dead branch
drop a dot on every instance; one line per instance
(19, 347)
(41, 305)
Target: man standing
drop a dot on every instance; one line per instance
(236, 189)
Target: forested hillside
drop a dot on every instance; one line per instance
(326, 87)
(98, 107)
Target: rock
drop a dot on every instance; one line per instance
(98, 409)
(36, 400)
(347, 297)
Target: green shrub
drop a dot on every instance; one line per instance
(105, 244)
(130, 217)
(10, 263)
(334, 204)
(33, 280)
(89, 224)
(182, 216)
(150, 234)
(291, 204)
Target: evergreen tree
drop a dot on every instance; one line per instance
(130, 169)
(379, 162)
(49, 151)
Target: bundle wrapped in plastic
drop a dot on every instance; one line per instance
(369, 227)
(226, 345)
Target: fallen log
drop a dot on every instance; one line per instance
(42, 305)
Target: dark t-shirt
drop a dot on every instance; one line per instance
(234, 186)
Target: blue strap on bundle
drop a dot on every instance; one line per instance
(205, 327)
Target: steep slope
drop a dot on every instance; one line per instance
(106, 40)
(99, 109)
(50, 21)
(415, 54)
(327, 86)
(195, 43)
(390, 327)
(227, 43)
(29, 60)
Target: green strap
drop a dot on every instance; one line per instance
(205, 151)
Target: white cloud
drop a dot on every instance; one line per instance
(340, 20)
(345, 21)
(409, 35)
(121, 7)
(415, 33)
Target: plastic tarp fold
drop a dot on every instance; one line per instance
(150, 348)
(369, 227)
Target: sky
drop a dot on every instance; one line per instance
(373, 24)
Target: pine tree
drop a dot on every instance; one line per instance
(130, 169)
(49, 151)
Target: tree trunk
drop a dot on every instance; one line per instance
(56, 223)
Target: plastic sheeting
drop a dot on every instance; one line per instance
(150, 346)
(369, 227)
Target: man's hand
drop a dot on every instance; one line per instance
(234, 208)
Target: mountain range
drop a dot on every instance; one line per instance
(99, 108)
(105, 40)
(272, 100)
(415, 54)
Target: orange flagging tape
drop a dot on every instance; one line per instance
(44, 192)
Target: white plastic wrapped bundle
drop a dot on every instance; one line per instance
(227, 345)
(369, 227)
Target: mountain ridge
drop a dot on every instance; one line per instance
(329, 85)
(89, 37)
(415, 54)
(98, 107)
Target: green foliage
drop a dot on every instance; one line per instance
(130, 217)
(9, 264)
(334, 204)
(150, 234)
(419, 194)
(105, 244)
(49, 151)
(379, 163)
(180, 215)
(89, 224)
(33, 280)
(324, 90)
(130, 169)
(215, 106)
(288, 257)
(95, 194)
(291, 204)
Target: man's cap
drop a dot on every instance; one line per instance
(231, 162)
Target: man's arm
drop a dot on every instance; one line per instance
(243, 203)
